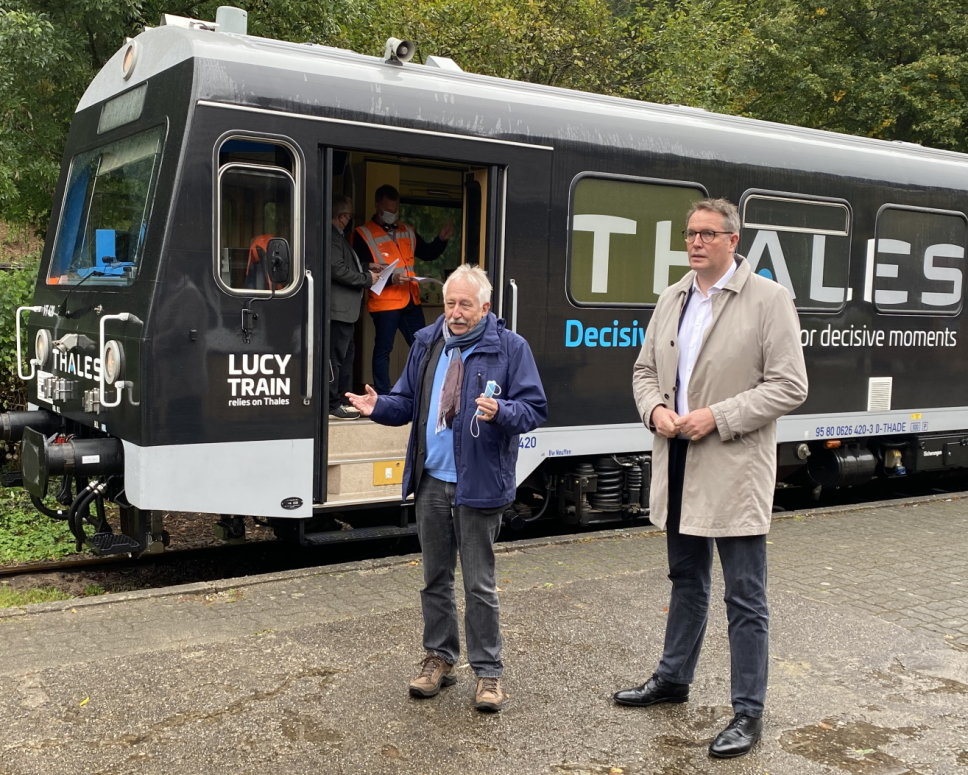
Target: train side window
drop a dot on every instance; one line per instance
(801, 242)
(625, 243)
(103, 218)
(916, 261)
(257, 201)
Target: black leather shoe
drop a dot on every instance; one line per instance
(652, 692)
(742, 734)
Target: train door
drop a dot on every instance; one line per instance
(261, 348)
(471, 189)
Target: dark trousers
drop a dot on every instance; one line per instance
(447, 531)
(744, 571)
(341, 351)
(409, 320)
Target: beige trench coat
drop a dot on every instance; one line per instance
(749, 372)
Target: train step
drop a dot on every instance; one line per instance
(104, 544)
(365, 462)
(357, 534)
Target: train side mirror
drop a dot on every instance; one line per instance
(278, 262)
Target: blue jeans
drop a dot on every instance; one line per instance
(409, 320)
(744, 571)
(444, 531)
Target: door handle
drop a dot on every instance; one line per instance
(514, 305)
(310, 336)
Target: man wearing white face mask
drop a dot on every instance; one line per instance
(379, 242)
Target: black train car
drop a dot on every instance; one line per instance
(176, 349)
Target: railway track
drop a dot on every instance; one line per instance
(213, 562)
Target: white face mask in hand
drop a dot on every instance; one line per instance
(491, 389)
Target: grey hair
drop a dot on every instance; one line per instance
(342, 204)
(723, 207)
(473, 275)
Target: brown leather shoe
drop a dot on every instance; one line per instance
(434, 674)
(490, 697)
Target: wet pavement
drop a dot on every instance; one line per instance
(306, 671)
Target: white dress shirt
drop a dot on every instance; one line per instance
(696, 319)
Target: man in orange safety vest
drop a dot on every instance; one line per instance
(379, 242)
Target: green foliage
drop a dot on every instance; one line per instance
(685, 52)
(897, 71)
(26, 535)
(892, 70)
(32, 124)
(16, 290)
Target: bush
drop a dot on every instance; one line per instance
(16, 290)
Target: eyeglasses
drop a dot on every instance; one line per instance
(706, 235)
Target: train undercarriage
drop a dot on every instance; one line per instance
(74, 474)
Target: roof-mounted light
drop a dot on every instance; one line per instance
(130, 58)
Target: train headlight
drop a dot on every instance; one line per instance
(42, 346)
(113, 364)
(129, 59)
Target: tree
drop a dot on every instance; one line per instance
(32, 121)
(684, 52)
(566, 43)
(891, 70)
(51, 49)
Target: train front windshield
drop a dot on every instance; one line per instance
(100, 235)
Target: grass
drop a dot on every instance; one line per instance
(12, 598)
(28, 536)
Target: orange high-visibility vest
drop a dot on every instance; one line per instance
(385, 250)
(255, 269)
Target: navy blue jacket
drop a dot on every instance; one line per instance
(486, 464)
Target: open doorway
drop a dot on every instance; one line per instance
(432, 194)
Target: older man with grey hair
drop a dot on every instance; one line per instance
(460, 468)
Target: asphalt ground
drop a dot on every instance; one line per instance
(306, 671)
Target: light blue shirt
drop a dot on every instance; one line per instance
(440, 462)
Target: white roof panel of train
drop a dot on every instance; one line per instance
(497, 106)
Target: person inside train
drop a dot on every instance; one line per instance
(721, 362)
(348, 280)
(255, 268)
(380, 242)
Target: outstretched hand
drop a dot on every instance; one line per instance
(365, 403)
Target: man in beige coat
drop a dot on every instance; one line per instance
(721, 362)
